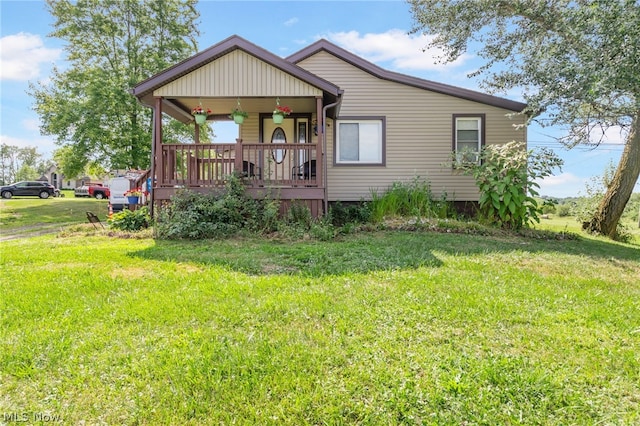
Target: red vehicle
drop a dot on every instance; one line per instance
(97, 191)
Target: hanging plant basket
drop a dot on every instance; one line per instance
(201, 118)
(280, 112)
(238, 114)
(278, 118)
(238, 118)
(200, 114)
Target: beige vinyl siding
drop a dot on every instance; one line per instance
(250, 130)
(237, 74)
(418, 132)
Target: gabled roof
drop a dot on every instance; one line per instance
(324, 45)
(145, 88)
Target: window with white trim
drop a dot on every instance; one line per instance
(359, 142)
(468, 138)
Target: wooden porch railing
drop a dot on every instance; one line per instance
(209, 165)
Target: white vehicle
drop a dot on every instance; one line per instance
(118, 186)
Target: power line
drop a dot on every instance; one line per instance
(579, 147)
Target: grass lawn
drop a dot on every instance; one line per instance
(28, 215)
(374, 328)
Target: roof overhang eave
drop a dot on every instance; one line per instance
(168, 107)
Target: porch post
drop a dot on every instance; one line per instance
(238, 159)
(156, 165)
(194, 170)
(158, 142)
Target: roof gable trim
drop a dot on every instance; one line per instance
(375, 70)
(220, 49)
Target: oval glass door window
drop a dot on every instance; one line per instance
(278, 136)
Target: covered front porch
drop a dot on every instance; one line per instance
(287, 172)
(284, 160)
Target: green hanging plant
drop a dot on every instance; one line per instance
(238, 114)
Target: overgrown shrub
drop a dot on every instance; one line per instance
(549, 206)
(342, 214)
(506, 176)
(587, 205)
(323, 230)
(128, 220)
(299, 215)
(215, 215)
(443, 208)
(595, 188)
(270, 215)
(407, 199)
(299, 223)
(563, 210)
(632, 210)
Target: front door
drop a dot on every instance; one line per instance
(278, 162)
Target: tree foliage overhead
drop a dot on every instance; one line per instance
(577, 63)
(111, 46)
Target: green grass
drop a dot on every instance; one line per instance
(376, 328)
(570, 224)
(32, 213)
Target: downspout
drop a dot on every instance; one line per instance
(324, 151)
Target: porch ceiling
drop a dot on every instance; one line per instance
(180, 107)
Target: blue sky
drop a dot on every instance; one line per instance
(375, 30)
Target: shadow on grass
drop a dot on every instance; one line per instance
(367, 252)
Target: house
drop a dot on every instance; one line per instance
(60, 181)
(355, 127)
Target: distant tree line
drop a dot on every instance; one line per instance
(18, 164)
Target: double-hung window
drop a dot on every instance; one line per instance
(468, 137)
(360, 141)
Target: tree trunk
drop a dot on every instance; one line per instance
(605, 220)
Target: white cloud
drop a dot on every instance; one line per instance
(562, 179)
(562, 185)
(22, 54)
(612, 135)
(291, 22)
(404, 51)
(32, 124)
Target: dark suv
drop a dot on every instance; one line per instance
(28, 188)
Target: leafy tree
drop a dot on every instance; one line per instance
(576, 61)
(70, 162)
(27, 172)
(70, 165)
(112, 45)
